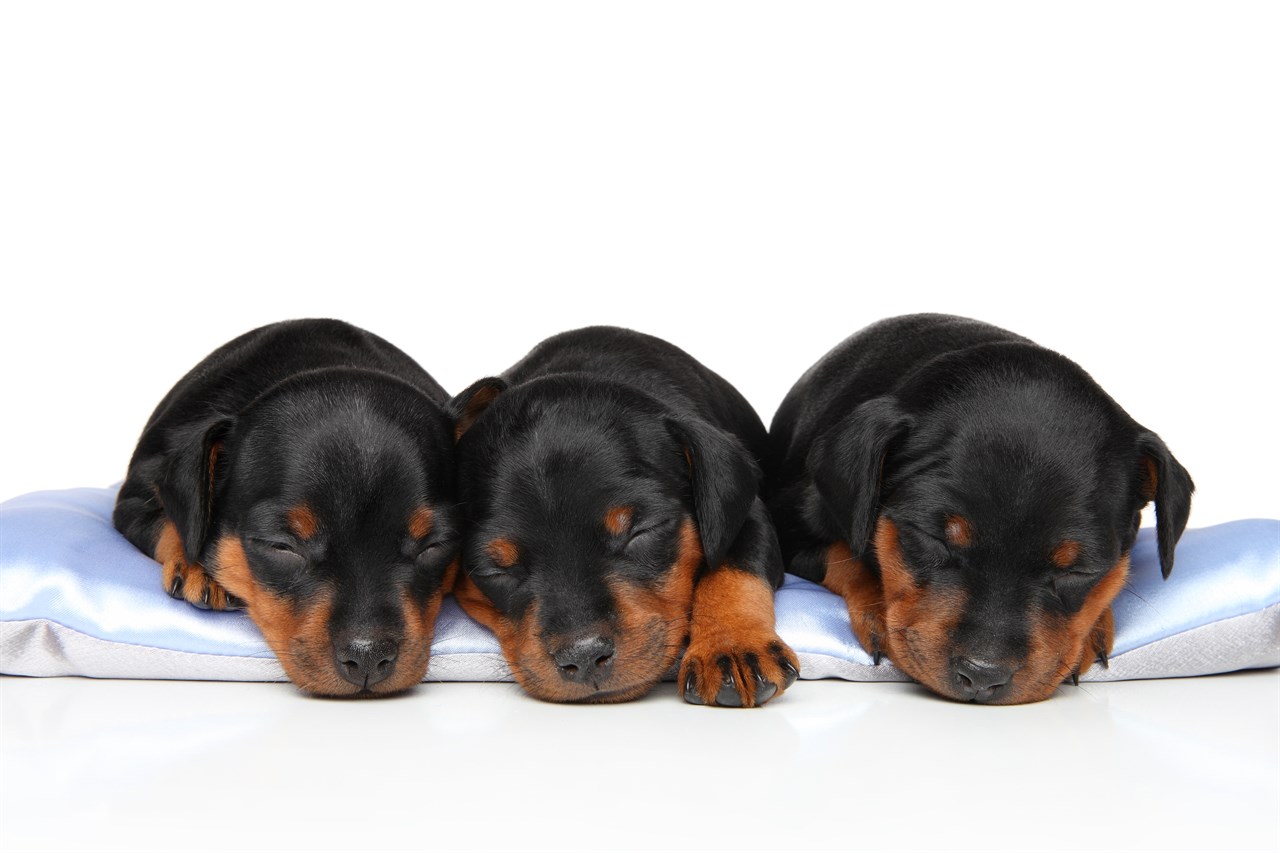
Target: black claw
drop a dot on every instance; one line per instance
(175, 588)
(691, 690)
(234, 602)
(876, 656)
(1104, 659)
(1075, 678)
(203, 603)
(789, 673)
(765, 690)
(728, 695)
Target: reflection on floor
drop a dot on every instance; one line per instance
(117, 765)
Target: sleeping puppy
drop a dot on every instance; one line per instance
(613, 518)
(305, 471)
(973, 497)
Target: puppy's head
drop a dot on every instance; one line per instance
(327, 506)
(1001, 507)
(590, 510)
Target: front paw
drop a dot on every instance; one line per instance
(1097, 646)
(737, 675)
(191, 583)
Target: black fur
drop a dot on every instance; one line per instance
(313, 413)
(918, 418)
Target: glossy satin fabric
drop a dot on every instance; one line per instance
(77, 598)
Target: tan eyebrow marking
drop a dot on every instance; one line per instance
(503, 552)
(1066, 553)
(303, 521)
(421, 521)
(617, 519)
(959, 532)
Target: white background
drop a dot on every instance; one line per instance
(750, 181)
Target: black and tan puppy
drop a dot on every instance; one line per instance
(973, 497)
(611, 492)
(305, 471)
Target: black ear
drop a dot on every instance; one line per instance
(1163, 478)
(186, 485)
(847, 463)
(726, 480)
(471, 403)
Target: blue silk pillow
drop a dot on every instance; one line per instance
(77, 599)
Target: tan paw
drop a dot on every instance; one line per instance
(745, 674)
(189, 582)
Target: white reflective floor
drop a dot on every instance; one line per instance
(1189, 764)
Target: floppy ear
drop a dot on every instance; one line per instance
(186, 485)
(726, 480)
(1163, 478)
(471, 403)
(847, 463)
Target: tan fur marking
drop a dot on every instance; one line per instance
(478, 607)
(421, 520)
(169, 544)
(1150, 478)
(649, 633)
(617, 520)
(920, 625)
(849, 578)
(959, 532)
(419, 631)
(450, 577)
(214, 450)
(919, 622)
(302, 521)
(474, 408)
(1060, 647)
(1066, 553)
(504, 553)
(298, 636)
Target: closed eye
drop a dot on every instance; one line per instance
(433, 549)
(928, 538)
(275, 545)
(499, 574)
(280, 553)
(650, 534)
(1071, 580)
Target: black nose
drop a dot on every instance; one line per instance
(585, 659)
(979, 680)
(364, 661)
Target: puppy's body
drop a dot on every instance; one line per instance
(304, 470)
(613, 500)
(974, 498)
